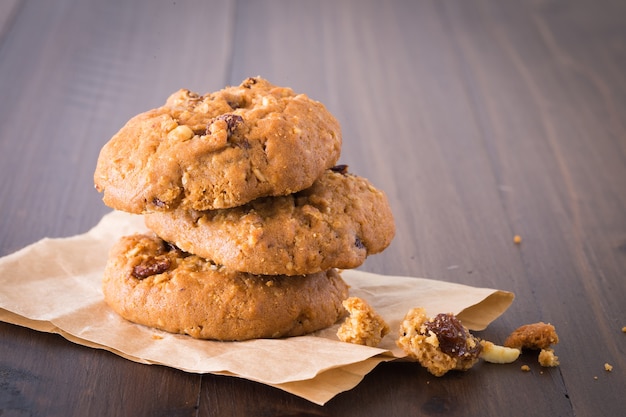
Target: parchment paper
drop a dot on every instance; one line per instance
(54, 286)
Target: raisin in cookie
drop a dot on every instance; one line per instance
(150, 282)
(219, 150)
(336, 223)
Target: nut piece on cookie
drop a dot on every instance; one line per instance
(364, 326)
(440, 344)
(532, 336)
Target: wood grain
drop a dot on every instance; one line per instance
(89, 68)
(545, 155)
(8, 10)
(481, 119)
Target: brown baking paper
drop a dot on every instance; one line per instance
(54, 286)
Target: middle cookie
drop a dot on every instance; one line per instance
(336, 223)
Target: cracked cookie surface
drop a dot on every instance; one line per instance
(336, 223)
(219, 150)
(150, 282)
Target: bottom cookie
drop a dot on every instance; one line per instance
(150, 282)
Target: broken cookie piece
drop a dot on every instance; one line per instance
(532, 336)
(439, 344)
(364, 326)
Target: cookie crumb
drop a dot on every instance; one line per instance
(608, 367)
(595, 377)
(624, 329)
(548, 359)
(364, 326)
(517, 239)
(525, 368)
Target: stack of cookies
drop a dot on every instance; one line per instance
(251, 217)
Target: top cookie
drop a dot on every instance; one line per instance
(219, 150)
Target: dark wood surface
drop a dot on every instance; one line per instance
(481, 119)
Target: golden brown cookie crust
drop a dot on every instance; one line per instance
(150, 282)
(336, 223)
(219, 150)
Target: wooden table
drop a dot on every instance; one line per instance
(481, 119)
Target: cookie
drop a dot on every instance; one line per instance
(150, 282)
(219, 150)
(336, 223)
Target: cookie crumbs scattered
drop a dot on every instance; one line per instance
(517, 239)
(608, 367)
(525, 368)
